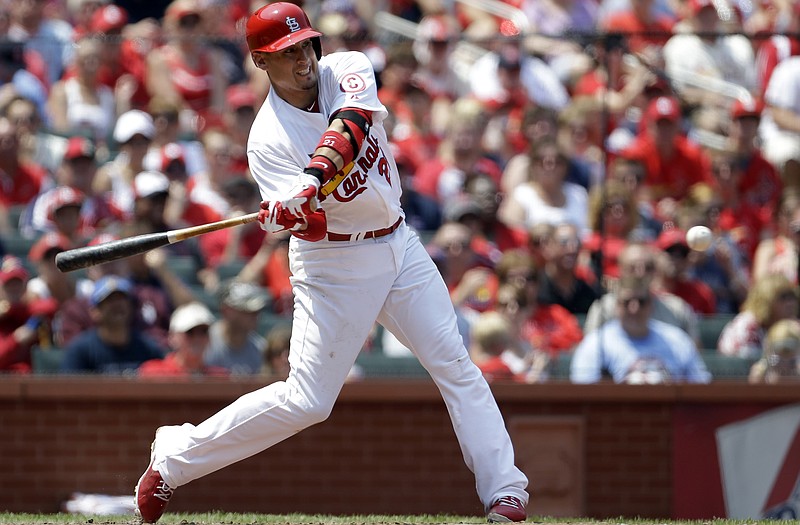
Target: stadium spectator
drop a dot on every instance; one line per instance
(772, 298)
(546, 196)
(461, 155)
(631, 173)
(704, 56)
(20, 179)
(780, 360)
(434, 46)
(76, 174)
(508, 77)
(466, 273)
(477, 208)
(235, 344)
(560, 280)
(645, 29)
(613, 220)
(492, 348)
(535, 123)
(50, 38)
(780, 123)
(113, 345)
(17, 77)
(28, 122)
(673, 273)
(276, 355)
(188, 342)
(547, 328)
(186, 70)
(82, 104)
(231, 245)
(48, 281)
(206, 187)
(24, 322)
(169, 130)
(779, 253)
(672, 163)
(80, 14)
(133, 133)
(269, 268)
(724, 266)
(241, 105)
(638, 259)
(778, 47)
(635, 348)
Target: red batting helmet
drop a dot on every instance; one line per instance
(278, 26)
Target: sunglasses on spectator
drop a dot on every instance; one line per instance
(189, 21)
(678, 251)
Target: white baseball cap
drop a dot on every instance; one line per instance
(190, 315)
(133, 122)
(147, 183)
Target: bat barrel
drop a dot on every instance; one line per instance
(70, 260)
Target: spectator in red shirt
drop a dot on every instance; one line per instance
(672, 274)
(493, 349)
(647, 31)
(672, 163)
(188, 341)
(23, 321)
(749, 184)
(243, 242)
(241, 103)
(549, 328)
(20, 180)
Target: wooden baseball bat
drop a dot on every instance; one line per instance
(70, 260)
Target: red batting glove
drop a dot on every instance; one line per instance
(301, 199)
(273, 218)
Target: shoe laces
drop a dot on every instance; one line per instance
(509, 501)
(163, 491)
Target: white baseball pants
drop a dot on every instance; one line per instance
(340, 289)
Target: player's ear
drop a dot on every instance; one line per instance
(259, 59)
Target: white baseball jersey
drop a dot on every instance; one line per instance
(283, 138)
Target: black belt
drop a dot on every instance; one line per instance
(374, 234)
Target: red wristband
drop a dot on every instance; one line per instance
(338, 143)
(324, 165)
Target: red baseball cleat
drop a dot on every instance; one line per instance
(152, 493)
(506, 509)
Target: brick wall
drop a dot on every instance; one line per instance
(387, 448)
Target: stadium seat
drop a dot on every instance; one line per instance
(724, 367)
(710, 327)
(377, 365)
(46, 360)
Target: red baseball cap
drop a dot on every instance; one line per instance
(671, 237)
(663, 108)
(108, 18)
(11, 267)
(171, 152)
(751, 107)
(47, 242)
(61, 197)
(240, 95)
(698, 5)
(78, 147)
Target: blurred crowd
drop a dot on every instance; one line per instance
(553, 153)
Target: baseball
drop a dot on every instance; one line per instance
(699, 238)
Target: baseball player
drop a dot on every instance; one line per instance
(319, 153)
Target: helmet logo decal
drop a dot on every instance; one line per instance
(292, 23)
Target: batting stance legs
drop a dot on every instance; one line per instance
(391, 279)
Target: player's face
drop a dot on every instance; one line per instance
(293, 73)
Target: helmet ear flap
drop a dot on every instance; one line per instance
(316, 42)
